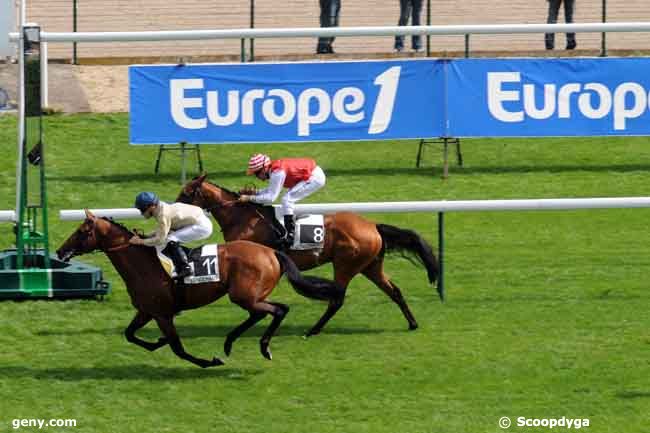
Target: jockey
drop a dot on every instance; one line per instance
(301, 176)
(177, 222)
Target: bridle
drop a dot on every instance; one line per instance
(197, 191)
(90, 235)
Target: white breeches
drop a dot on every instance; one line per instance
(302, 190)
(195, 232)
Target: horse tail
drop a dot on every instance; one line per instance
(311, 287)
(408, 241)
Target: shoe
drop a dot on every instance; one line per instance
(178, 256)
(571, 45)
(290, 227)
(417, 49)
(324, 50)
(399, 49)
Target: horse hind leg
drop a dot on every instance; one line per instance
(333, 307)
(279, 312)
(253, 318)
(166, 325)
(275, 309)
(140, 320)
(343, 277)
(375, 273)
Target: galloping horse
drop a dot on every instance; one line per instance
(248, 273)
(353, 244)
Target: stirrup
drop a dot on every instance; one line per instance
(183, 271)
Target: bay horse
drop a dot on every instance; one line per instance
(248, 273)
(352, 244)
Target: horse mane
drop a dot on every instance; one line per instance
(236, 194)
(258, 206)
(119, 225)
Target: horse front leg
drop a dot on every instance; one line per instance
(166, 325)
(141, 319)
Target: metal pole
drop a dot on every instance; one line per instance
(445, 166)
(183, 157)
(603, 41)
(21, 107)
(441, 255)
(74, 29)
(428, 23)
(467, 45)
(243, 50)
(44, 76)
(252, 40)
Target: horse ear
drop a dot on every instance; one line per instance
(89, 214)
(200, 179)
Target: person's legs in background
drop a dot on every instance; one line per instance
(324, 22)
(329, 17)
(404, 13)
(569, 6)
(553, 9)
(417, 11)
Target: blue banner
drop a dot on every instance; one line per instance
(548, 97)
(389, 100)
(286, 102)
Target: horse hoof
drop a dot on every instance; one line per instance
(267, 353)
(413, 326)
(312, 332)
(227, 348)
(216, 362)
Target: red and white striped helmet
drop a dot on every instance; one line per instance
(257, 162)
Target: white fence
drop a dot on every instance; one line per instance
(7, 216)
(419, 206)
(439, 207)
(337, 32)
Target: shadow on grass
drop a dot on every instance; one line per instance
(128, 372)
(633, 394)
(218, 176)
(523, 169)
(201, 331)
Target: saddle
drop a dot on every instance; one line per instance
(203, 260)
(309, 233)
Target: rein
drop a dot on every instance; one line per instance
(118, 247)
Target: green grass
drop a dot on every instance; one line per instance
(547, 312)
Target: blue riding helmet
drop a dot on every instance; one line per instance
(146, 199)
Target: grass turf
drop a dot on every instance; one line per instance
(547, 312)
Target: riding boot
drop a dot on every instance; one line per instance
(178, 256)
(290, 227)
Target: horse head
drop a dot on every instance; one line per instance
(94, 234)
(206, 195)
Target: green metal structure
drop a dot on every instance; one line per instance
(29, 270)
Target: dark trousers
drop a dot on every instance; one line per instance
(412, 9)
(553, 10)
(329, 17)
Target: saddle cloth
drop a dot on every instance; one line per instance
(203, 260)
(310, 230)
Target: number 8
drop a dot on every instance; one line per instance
(318, 234)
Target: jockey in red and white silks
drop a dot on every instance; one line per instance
(301, 176)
